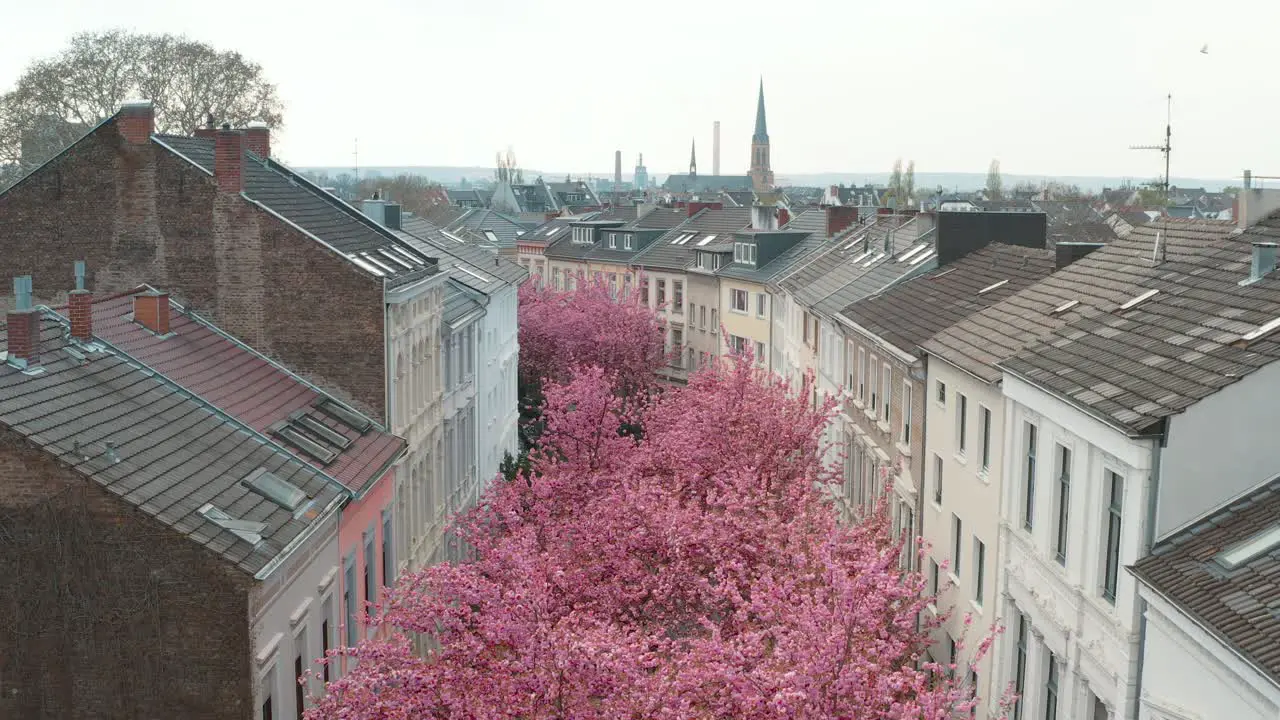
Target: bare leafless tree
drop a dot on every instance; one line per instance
(58, 99)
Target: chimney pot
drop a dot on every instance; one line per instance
(228, 160)
(1264, 260)
(80, 308)
(151, 310)
(136, 121)
(23, 327)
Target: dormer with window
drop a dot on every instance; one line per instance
(582, 235)
(711, 261)
(744, 252)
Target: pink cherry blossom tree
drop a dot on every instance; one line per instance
(692, 571)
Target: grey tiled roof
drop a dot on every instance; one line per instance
(661, 254)
(1136, 367)
(1106, 278)
(907, 314)
(552, 230)
(776, 267)
(480, 222)
(814, 221)
(706, 183)
(830, 280)
(454, 256)
(660, 218)
(173, 453)
(1237, 606)
(459, 301)
(296, 199)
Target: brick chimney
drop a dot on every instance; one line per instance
(23, 327)
(136, 121)
(257, 137)
(210, 129)
(228, 159)
(696, 207)
(840, 217)
(151, 311)
(80, 308)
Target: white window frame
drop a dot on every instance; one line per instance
(905, 435)
(760, 305)
(734, 295)
(886, 382)
(862, 373)
(962, 423)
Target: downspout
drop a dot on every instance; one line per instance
(1148, 539)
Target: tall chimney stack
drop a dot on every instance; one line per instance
(715, 148)
(228, 160)
(80, 308)
(23, 323)
(257, 137)
(136, 121)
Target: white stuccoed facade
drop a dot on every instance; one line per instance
(1087, 623)
(496, 379)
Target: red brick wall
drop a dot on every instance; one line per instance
(138, 214)
(106, 613)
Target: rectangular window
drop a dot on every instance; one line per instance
(1115, 503)
(1064, 505)
(349, 599)
(388, 560)
(1029, 478)
(941, 390)
(984, 426)
(862, 374)
(1020, 666)
(979, 569)
(325, 645)
(662, 292)
(906, 413)
(555, 277)
(715, 325)
(760, 304)
(873, 380)
(1051, 690)
(626, 285)
(738, 300)
(760, 352)
(702, 317)
(1099, 709)
(613, 241)
(613, 285)
(951, 656)
(268, 690)
(644, 290)
(627, 241)
(886, 380)
(937, 479)
(933, 577)
(677, 295)
(299, 687)
(677, 347)
(957, 537)
(370, 576)
(962, 422)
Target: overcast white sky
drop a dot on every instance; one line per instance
(1050, 87)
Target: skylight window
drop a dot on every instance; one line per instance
(706, 240)
(912, 252)
(396, 259)
(922, 258)
(861, 257)
(1134, 301)
(1065, 307)
(247, 530)
(452, 237)
(493, 238)
(991, 287)
(281, 492)
(320, 430)
(379, 264)
(344, 415)
(472, 273)
(295, 437)
(416, 260)
(366, 265)
(1242, 552)
(874, 260)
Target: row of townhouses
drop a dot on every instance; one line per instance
(1077, 430)
(256, 406)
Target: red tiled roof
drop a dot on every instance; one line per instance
(241, 383)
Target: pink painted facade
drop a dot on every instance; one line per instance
(366, 544)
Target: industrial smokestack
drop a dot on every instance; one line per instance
(715, 149)
(617, 168)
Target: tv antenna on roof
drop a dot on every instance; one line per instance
(1164, 148)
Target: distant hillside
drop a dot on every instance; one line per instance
(450, 175)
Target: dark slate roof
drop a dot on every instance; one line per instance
(480, 222)
(242, 383)
(469, 195)
(302, 203)
(173, 453)
(662, 254)
(660, 218)
(706, 183)
(465, 262)
(459, 302)
(813, 221)
(564, 248)
(842, 273)
(1237, 606)
(1133, 368)
(1106, 278)
(907, 314)
(775, 267)
(549, 231)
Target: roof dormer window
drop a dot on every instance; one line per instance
(744, 252)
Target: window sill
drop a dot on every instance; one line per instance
(955, 579)
(903, 450)
(960, 458)
(937, 506)
(871, 414)
(858, 404)
(985, 475)
(977, 606)
(884, 426)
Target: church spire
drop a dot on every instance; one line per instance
(693, 158)
(762, 131)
